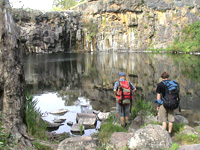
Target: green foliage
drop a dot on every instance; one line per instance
(6, 140)
(64, 4)
(81, 129)
(107, 128)
(188, 139)
(35, 125)
(142, 106)
(40, 146)
(177, 127)
(145, 26)
(189, 41)
(92, 29)
(174, 146)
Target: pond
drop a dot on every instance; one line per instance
(73, 80)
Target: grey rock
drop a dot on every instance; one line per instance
(150, 137)
(59, 112)
(76, 129)
(103, 116)
(59, 120)
(118, 140)
(189, 147)
(77, 143)
(70, 123)
(189, 130)
(181, 119)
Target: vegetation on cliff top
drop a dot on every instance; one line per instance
(189, 39)
(64, 4)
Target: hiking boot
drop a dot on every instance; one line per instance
(170, 134)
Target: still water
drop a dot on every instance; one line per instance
(71, 80)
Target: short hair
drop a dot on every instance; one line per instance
(164, 75)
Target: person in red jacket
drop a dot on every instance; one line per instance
(123, 90)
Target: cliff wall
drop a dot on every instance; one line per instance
(107, 25)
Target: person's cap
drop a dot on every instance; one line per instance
(122, 74)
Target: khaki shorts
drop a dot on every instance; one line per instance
(166, 114)
(123, 110)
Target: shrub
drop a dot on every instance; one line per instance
(142, 106)
(6, 140)
(187, 139)
(35, 125)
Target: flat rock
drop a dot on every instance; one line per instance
(76, 129)
(85, 115)
(61, 120)
(59, 112)
(78, 143)
(88, 122)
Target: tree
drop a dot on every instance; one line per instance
(64, 4)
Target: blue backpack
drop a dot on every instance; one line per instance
(171, 98)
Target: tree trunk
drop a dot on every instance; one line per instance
(12, 89)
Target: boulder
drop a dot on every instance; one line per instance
(189, 130)
(118, 140)
(150, 137)
(189, 147)
(88, 122)
(87, 119)
(180, 119)
(77, 143)
(103, 116)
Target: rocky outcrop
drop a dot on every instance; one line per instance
(47, 32)
(12, 81)
(107, 25)
(137, 24)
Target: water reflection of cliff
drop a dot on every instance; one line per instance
(93, 74)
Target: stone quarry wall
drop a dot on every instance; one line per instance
(107, 25)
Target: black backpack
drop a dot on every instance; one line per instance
(171, 98)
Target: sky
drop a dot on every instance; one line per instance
(33, 4)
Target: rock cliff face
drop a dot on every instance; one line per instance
(137, 24)
(107, 25)
(12, 96)
(48, 32)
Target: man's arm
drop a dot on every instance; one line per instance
(158, 96)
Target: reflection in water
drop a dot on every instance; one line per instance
(91, 75)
